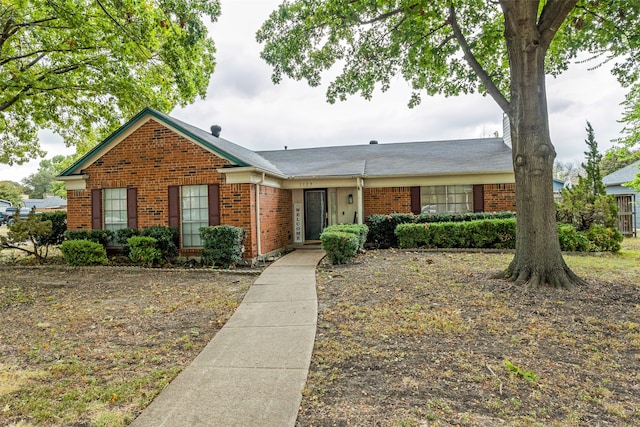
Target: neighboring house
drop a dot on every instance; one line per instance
(558, 185)
(626, 198)
(157, 170)
(47, 204)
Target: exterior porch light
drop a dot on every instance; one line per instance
(350, 199)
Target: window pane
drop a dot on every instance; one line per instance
(195, 213)
(114, 208)
(447, 199)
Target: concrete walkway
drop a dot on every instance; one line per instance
(253, 371)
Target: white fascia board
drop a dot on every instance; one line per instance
(74, 182)
(251, 175)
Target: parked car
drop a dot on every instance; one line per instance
(11, 212)
(3, 219)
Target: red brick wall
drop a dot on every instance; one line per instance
(276, 218)
(499, 197)
(386, 200)
(151, 159)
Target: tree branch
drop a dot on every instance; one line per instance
(492, 89)
(551, 18)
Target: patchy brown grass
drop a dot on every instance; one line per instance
(428, 338)
(93, 347)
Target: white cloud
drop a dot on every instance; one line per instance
(261, 116)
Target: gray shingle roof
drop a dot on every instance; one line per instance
(235, 153)
(622, 176)
(407, 158)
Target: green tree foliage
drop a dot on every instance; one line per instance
(617, 158)
(79, 67)
(11, 191)
(502, 48)
(587, 202)
(29, 230)
(43, 181)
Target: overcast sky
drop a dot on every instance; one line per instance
(259, 115)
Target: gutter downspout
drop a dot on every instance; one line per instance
(258, 229)
(360, 197)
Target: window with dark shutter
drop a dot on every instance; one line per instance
(478, 198)
(132, 207)
(96, 209)
(214, 204)
(174, 206)
(416, 205)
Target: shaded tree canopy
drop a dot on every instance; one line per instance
(79, 67)
(503, 48)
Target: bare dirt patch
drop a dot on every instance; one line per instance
(92, 347)
(428, 338)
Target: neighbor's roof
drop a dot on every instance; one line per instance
(227, 149)
(465, 156)
(622, 176)
(51, 202)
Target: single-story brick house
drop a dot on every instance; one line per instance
(157, 170)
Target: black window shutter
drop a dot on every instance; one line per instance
(416, 206)
(478, 198)
(96, 209)
(132, 207)
(214, 204)
(174, 206)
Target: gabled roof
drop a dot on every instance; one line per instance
(622, 176)
(465, 156)
(236, 154)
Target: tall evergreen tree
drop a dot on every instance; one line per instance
(592, 181)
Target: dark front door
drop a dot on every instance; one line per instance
(315, 213)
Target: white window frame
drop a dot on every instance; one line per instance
(446, 199)
(114, 208)
(194, 213)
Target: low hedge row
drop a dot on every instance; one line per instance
(342, 242)
(382, 227)
(501, 234)
(497, 233)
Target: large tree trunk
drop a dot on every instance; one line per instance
(538, 259)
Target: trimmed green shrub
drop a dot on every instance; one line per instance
(462, 217)
(83, 252)
(144, 251)
(340, 247)
(603, 239)
(497, 233)
(222, 245)
(572, 240)
(122, 236)
(360, 230)
(382, 228)
(58, 228)
(167, 238)
(104, 237)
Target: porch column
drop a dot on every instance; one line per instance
(360, 197)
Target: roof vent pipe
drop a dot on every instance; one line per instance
(373, 142)
(215, 130)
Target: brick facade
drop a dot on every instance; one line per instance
(386, 200)
(276, 218)
(152, 158)
(499, 197)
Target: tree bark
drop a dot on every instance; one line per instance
(538, 260)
